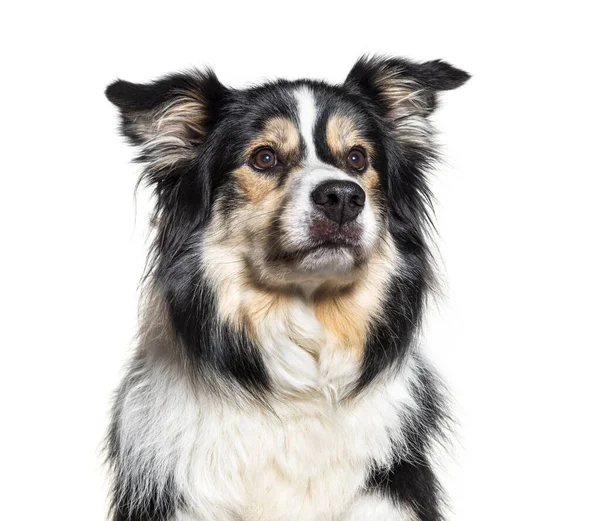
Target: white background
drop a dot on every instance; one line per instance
(516, 335)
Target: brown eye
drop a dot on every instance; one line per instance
(264, 158)
(356, 159)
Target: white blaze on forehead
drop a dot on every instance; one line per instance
(307, 115)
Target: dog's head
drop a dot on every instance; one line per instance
(301, 181)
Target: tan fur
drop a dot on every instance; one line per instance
(342, 315)
(253, 185)
(252, 219)
(342, 134)
(370, 180)
(347, 314)
(281, 134)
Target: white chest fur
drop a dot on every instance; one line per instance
(306, 459)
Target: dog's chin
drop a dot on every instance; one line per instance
(308, 266)
(327, 260)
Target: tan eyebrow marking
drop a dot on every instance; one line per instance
(342, 134)
(279, 133)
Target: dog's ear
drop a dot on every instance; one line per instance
(169, 118)
(401, 87)
(404, 91)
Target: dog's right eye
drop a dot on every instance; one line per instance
(264, 158)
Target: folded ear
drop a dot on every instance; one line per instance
(168, 118)
(405, 91)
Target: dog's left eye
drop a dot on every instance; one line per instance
(357, 160)
(264, 158)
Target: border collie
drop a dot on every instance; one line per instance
(277, 375)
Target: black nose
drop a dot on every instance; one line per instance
(341, 201)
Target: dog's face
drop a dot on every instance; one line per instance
(303, 182)
(302, 200)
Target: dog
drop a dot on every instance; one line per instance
(277, 375)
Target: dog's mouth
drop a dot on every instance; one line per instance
(333, 243)
(346, 239)
(334, 255)
(326, 248)
(326, 233)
